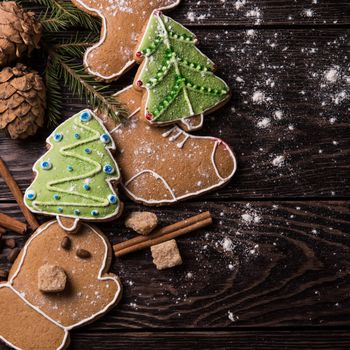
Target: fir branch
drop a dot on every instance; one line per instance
(85, 86)
(54, 95)
(74, 47)
(63, 13)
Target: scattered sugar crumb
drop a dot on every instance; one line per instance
(232, 317)
(332, 74)
(264, 123)
(278, 161)
(258, 97)
(227, 244)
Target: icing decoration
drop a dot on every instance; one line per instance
(85, 116)
(112, 199)
(58, 137)
(88, 151)
(31, 195)
(122, 23)
(94, 213)
(46, 165)
(71, 312)
(87, 188)
(108, 169)
(179, 79)
(105, 138)
(77, 136)
(76, 212)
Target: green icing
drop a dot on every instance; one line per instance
(179, 78)
(79, 171)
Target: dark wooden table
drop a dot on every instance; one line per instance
(284, 282)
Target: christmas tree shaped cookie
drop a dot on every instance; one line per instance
(179, 79)
(74, 178)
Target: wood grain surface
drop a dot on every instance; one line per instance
(312, 136)
(273, 271)
(220, 340)
(260, 264)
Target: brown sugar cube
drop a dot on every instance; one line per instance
(51, 279)
(142, 222)
(166, 255)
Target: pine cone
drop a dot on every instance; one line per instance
(20, 33)
(22, 101)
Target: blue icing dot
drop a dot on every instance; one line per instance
(112, 198)
(46, 165)
(86, 187)
(76, 212)
(105, 138)
(88, 151)
(58, 137)
(85, 116)
(57, 197)
(108, 169)
(94, 213)
(60, 210)
(77, 136)
(31, 195)
(70, 168)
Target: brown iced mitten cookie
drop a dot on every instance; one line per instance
(88, 292)
(122, 23)
(22, 327)
(165, 165)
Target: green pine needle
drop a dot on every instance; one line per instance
(85, 86)
(54, 95)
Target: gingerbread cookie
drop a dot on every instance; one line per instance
(73, 179)
(179, 80)
(122, 23)
(165, 165)
(35, 319)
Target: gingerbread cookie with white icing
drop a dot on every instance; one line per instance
(178, 80)
(122, 23)
(75, 177)
(33, 318)
(162, 166)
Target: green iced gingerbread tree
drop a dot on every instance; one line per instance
(73, 179)
(179, 79)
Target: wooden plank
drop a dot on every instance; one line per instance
(261, 264)
(288, 121)
(219, 340)
(252, 13)
(242, 340)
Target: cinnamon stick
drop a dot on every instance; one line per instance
(17, 193)
(164, 234)
(12, 224)
(2, 231)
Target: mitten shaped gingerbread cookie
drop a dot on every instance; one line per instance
(165, 165)
(75, 177)
(57, 283)
(122, 23)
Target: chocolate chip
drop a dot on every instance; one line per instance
(83, 254)
(3, 274)
(10, 243)
(12, 255)
(66, 243)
